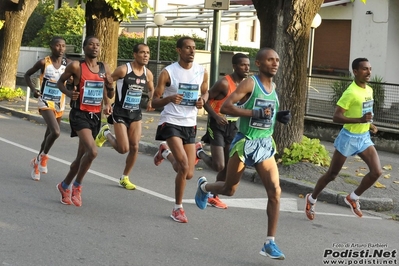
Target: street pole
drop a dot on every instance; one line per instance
(215, 47)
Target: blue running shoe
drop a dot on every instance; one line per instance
(201, 198)
(271, 250)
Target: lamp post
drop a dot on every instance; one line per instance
(315, 23)
(159, 20)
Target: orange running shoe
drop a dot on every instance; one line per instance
(216, 202)
(158, 158)
(179, 216)
(35, 174)
(355, 206)
(309, 208)
(43, 158)
(65, 195)
(76, 196)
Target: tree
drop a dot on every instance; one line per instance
(15, 14)
(285, 27)
(64, 21)
(102, 20)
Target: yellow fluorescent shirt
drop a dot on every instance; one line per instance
(357, 101)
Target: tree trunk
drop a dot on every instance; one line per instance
(101, 23)
(16, 16)
(285, 27)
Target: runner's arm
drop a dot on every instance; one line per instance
(218, 91)
(244, 89)
(39, 65)
(163, 81)
(150, 87)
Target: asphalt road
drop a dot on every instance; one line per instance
(119, 227)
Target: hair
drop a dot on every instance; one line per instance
(136, 47)
(180, 42)
(259, 54)
(236, 58)
(357, 61)
(55, 39)
(87, 39)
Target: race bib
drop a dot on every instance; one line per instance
(368, 108)
(268, 107)
(132, 100)
(93, 92)
(190, 93)
(51, 92)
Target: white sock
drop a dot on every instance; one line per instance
(165, 153)
(106, 132)
(198, 152)
(123, 177)
(311, 199)
(269, 238)
(178, 206)
(354, 196)
(202, 186)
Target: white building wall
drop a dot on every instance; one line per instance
(392, 50)
(370, 34)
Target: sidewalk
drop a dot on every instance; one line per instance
(298, 179)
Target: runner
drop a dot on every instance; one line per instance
(355, 111)
(253, 145)
(222, 129)
(125, 114)
(180, 84)
(51, 102)
(92, 85)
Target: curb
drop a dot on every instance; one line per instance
(287, 184)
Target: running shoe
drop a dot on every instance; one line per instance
(65, 195)
(271, 250)
(43, 163)
(201, 197)
(35, 174)
(179, 215)
(125, 182)
(198, 146)
(355, 206)
(100, 138)
(216, 202)
(76, 196)
(158, 158)
(309, 208)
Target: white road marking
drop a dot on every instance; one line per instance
(286, 204)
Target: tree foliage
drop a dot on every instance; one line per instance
(37, 21)
(102, 20)
(64, 21)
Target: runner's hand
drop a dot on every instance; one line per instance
(259, 113)
(107, 109)
(199, 103)
(367, 117)
(149, 106)
(74, 94)
(176, 98)
(37, 94)
(283, 116)
(221, 120)
(373, 129)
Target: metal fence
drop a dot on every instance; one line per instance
(323, 93)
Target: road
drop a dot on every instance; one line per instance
(119, 227)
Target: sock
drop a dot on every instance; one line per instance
(269, 238)
(106, 132)
(165, 153)
(64, 186)
(76, 184)
(354, 196)
(311, 199)
(123, 177)
(198, 152)
(178, 206)
(202, 186)
(212, 195)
